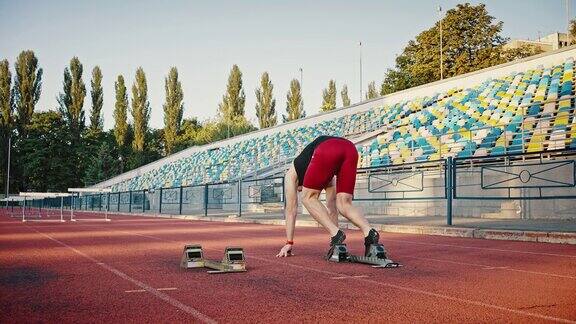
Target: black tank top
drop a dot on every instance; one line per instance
(302, 161)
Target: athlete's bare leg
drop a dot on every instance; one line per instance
(310, 200)
(351, 212)
(331, 202)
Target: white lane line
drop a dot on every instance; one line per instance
(143, 290)
(174, 302)
(409, 289)
(487, 267)
(480, 248)
(427, 293)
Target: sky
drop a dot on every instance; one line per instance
(203, 39)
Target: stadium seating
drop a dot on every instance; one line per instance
(528, 111)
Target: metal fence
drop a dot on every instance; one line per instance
(543, 176)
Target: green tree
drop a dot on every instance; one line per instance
(6, 116)
(372, 93)
(121, 112)
(102, 165)
(173, 109)
(329, 97)
(233, 101)
(44, 156)
(140, 110)
(27, 89)
(523, 51)
(294, 102)
(6, 107)
(97, 94)
(399, 78)
(72, 99)
(188, 136)
(345, 97)
(471, 41)
(217, 130)
(265, 102)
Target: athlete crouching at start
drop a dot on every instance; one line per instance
(312, 171)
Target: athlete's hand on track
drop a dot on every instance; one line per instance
(286, 251)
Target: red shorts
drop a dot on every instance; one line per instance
(334, 157)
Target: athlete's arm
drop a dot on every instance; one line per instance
(291, 196)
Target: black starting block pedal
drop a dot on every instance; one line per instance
(233, 260)
(377, 256)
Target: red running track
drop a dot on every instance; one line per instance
(127, 270)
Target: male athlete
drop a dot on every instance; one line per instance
(312, 171)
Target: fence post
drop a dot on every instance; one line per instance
(283, 193)
(449, 184)
(160, 202)
(180, 201)
(143, 201)
(108, 201)
(205, 200)
(240, 197)
(119, 195)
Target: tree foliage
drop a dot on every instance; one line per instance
(233, 101)
(345, 97)
(71, 100)
(102, 165)
(6, 116)
(45, 157)
(6, 107)
(329, 97)
(121, 112)
(294, 102)
(265, 102)
(213, 131)
(27, 89)
(471, 41)
(97, 95)
(140, 110)
(372, 93)
(173, 109)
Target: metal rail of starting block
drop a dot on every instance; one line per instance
(233, 260)
(377, 256)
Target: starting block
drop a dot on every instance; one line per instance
(192, 257)
(376, 256)
(233, 260)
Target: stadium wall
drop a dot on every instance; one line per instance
(524, 209)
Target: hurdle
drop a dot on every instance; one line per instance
(10, 209)
(43, 195)
(77, 191)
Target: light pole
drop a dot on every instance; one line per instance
(568, 22)
(301, 84)
(8, 171)
(360, 45)
(441, 45)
